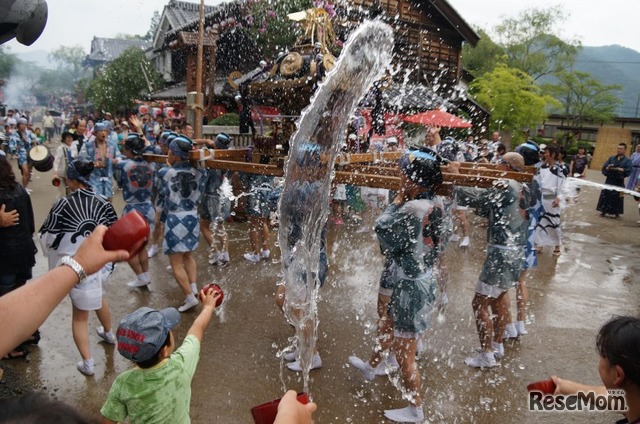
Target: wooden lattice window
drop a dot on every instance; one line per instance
(438, 57)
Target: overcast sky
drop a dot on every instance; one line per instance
(595, 23)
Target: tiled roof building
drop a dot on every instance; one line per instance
(105, 50)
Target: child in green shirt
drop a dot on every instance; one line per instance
(41, 137)
(158, 389)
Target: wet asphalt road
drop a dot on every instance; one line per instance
(596, 277)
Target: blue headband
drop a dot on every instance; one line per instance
(100, 126)
(222, 141)
(163, 137)
(74, 174)
(179, 147)
(530, 146)
(422, 167)
(418, 154)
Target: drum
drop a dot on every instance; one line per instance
(41, 158)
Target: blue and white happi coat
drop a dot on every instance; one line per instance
(101, 178)
(135, 178)
(181, 188)
(20, 144)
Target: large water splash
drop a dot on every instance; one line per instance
(304, 204)
(573, 183)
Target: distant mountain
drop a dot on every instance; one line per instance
(39, 57)
(614, 65)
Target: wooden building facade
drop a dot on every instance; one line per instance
(429, 37)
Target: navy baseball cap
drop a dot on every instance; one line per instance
(142, 333)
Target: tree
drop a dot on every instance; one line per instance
(7, 62)
(583, 98)
(127, 78)
(267, 23)
(53, 82)
(515, 102)
(531, 45)
(155, 23)
(62, 80)
(484, 56)
(69, 60)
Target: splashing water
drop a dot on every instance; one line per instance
(572, 183)
(304, 206)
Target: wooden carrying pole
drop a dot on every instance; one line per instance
(360, 174)
(521, 177)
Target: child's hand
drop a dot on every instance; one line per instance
(210, 297)
(290, 411)
(564, 387)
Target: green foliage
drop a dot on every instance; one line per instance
(69, 60)
(515, 102)
(7, 62)
(266, 22)
(574, 148)
(53, 82)
(155, 23)
(540, 140)
(227, 119)
(531, 45)
(483, 57)
(130, 76)
(584, 98)
(65, 77)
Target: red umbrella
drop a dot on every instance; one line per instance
(437, 118)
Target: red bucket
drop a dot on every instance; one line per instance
(548, 387)
(217, 288)
(266, 413)
(129, 233)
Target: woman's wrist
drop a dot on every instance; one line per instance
(73, 264)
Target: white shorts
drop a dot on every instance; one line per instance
(488, 290)
(87, 296)
(341, 192)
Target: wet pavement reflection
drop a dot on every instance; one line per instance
(597, 276)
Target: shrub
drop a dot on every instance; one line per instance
(227, 119)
